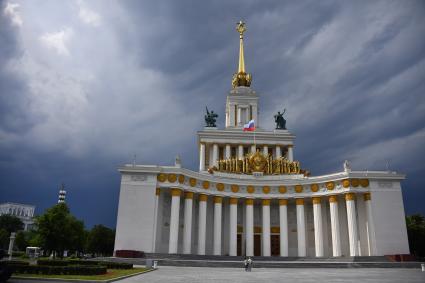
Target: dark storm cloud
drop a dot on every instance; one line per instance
(87, 84)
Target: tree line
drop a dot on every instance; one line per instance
(56, 231)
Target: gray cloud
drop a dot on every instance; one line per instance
(84, 85)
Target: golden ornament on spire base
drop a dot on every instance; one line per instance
(241, 78)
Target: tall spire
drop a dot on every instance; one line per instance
(241, 78)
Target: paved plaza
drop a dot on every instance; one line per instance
(233, 275)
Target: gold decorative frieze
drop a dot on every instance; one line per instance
(249, 201)
(161, 177)
(181, 179)
(299, 201)
(314, 187)
(220, 187)
(266, 189)
(364, 183)
(346, 183)
(283, 202)
(330, 186)
(218, 199)
(265, 202)
(316, 200)
(234, 188)
(172, 178)
(188, 195)
(354, 183)
(206, 185)
(176, 192)
(333, 198)
(298, 188)
(250, 189)
(350, 196)
(366, 196)
(192, 182)
(203, 197)
(282, 189)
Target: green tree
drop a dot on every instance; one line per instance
(416, 232)
(101, 240)
(58, 230)
(8, 224)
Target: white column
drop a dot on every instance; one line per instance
(278, 151)
(253, 148)
(239, 117)
(370, 224)
(202, 224)
(187, 232)
(249, 233)
(318, 226)
(266, 150)
(174, 221)
(283, 222)
(155, 215)
(290, 153)
(266, 227)
(217, 225)
(228, 151)
(215, 154)
(352, 224)
(202, 157)
(240, 151)
(302, 251)
(233, 229)
(336, 234)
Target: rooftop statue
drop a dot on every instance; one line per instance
(280, 121)
(210, 118)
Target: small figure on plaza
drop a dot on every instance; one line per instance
(210, 118)
(280, 121)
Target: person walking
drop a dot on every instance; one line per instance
(249, 263)
(245, 262)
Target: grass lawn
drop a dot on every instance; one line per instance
(111, 274)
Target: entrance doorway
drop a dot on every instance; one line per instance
(257, 244)
(275, 245)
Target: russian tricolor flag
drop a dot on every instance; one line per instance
(249, 127)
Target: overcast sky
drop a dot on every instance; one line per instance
(85, 85)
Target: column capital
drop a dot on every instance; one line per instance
(290, 145)
(176, 192)
(283, 202)
(233, 200)
(350, 196)
(367, 196)
(188, 195)
(299, 201)
(249, 201)
(316, 200)
(218, 199)
(265, 202)
(203, 197)
(157, 191)
(333, 198)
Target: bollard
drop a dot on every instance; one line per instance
(155, 264)
(423, 267)
(148, 263)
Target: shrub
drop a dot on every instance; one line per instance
(52, 262)
(58, 270)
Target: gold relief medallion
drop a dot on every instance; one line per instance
(314, 187)
(250, 189)
(298, 188)
(181, 179)
(330, 186)
(220, 187)
(257, 162)
(346, 183)
(206, 185)
(266, 189)
(172, 178)
(355, 183)
(282, 189)
(364, 183)
(235, 188)
(192, 182)
(161, 177)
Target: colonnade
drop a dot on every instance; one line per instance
(353, 233)
(213, 154)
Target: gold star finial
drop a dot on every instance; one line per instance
(241, 28)
(241, 78)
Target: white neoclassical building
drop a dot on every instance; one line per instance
(251, 197)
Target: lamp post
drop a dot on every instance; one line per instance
(11, 242)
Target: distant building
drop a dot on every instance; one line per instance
(25, 212)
